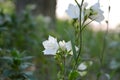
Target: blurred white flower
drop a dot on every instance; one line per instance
(97, 13)
(83, 73)
(51, 46)
(82, 69)
(73, 11)
(114, 64)
(108, 76)
(90, 63)
(82, 66)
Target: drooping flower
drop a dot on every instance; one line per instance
(51, 46)
(97, 13)
(73, 11)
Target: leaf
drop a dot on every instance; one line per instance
(7, 59)
(29, 75)
(27, 58)
(15, 53)
(23, 66)
(72, 42)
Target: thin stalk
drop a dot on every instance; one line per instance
(104, 39)
(64, 62)
(104, 42)
(84, 26)
(80, 32)
(63, 67)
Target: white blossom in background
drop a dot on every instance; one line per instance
(51, 46)
(73, 11)
(82, 73)
(82, 66)
(108, 76)
(114, 64)
(97, 13)
(82, 69)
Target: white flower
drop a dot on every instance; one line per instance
(98, 13)
(83, 73)
(73, 11)
(62, 45)
(51, 46)
(114, 64)
(82, 69)
(82, 66)
(69, 47)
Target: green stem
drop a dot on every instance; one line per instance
(64, 68)
(79, 33)
(104, 40)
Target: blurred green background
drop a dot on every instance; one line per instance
(25, 29)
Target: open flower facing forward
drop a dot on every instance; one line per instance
(51, 46)
(97, 13)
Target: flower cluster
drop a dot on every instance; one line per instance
(52, 46)
(79, 13)
(92, 12)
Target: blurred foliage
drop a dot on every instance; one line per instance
(16, 67)
(18, 32)
(7, 6)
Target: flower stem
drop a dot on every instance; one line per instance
(79, 33)
(64, 72)
(104, 39)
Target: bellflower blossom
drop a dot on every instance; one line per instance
(96, 13)
(69, 47)
(51, 46)
(62, 45)
(73, 11)
(98, 16)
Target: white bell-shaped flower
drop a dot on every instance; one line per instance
(73, 11)
(51, 46)
(97, 13)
